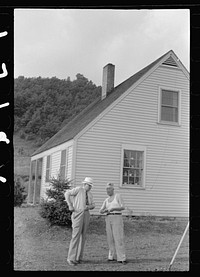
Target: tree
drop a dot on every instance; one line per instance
(54, 208)
(19, 191)
(43, 105)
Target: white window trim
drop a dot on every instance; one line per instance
(159, 106)
(137, 148)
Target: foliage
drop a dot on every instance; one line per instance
(19, 191)
(54, 208)
(41, 105)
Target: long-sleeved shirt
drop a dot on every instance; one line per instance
(78, 197)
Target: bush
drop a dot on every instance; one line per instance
(54, 208)
(22, 135)
(19, 191)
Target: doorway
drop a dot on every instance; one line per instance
(35, 181)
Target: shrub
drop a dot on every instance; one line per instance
(22, 135)
(19, 193)
(54, 208)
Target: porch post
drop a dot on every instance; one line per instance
(29, 185)
(35, 183)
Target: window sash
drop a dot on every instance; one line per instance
(169, 98)
(63, 164)
(169, 114)
(62, 172)
(63, 157)
(133, 167)
(169, 111)
(48, 169)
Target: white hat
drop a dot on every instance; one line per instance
(88, 181)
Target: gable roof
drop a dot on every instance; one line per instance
(79, 122)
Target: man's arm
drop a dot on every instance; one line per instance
(121, 204)
(103, 208)
(92, 205)
(68, 193)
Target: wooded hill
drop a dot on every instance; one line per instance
(43, 105)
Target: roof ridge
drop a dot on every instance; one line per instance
(89, 113)
(68, 124)
(84, 110)
(143, 69)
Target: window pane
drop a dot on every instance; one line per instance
(141, 162)
(63, 157)
(138, 172)
(48, 161)
(125, 172)
(169, 114)
(126, 154)
(62, 172)
(126, 163)
(170, 98)
(125, 180)
(131, 172)
(137, 181)
(47, 175)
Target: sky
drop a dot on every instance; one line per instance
(63, 42)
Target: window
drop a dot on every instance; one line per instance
(169, 110)
(133, 166)
(48, 168)
(63, 164)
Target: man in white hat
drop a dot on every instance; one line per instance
(80, 201)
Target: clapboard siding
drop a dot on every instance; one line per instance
(55, 154)
(133, 120)
(55, 163)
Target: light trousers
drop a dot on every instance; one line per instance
(115, 237)
(80, 222)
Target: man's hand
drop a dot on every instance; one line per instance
(87, 208)
(71, 208)
(103, 211)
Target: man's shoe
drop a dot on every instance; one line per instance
(122, 262)
(111, 260)
(72, 263)
(79, 261)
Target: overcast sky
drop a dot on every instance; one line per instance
(64, 42)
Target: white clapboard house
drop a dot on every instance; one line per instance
(135, 135)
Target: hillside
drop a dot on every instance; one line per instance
(43, 105)
(22, 156)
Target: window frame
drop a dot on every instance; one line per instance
(47, 178)
(134, 148)
(172, 89)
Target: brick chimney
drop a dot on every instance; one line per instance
(108, 79)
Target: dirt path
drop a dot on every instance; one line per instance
(149, 245)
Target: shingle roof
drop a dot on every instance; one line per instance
(79, 122)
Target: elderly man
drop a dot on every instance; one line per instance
(112, 206)
(80, 201)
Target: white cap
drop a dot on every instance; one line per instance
(110, 185)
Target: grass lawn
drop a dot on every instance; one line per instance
(150, 244)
